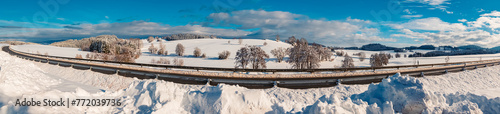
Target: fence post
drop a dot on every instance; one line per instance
(463, 68)
(208, 81)
(275, 83)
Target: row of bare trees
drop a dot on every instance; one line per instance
(179, 50)
(176, 61)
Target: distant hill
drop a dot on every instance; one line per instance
(495, 48)
(427, 47)
(188, 36)
(380, 47)
(470, 47)
(376, 47)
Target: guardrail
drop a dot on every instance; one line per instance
(263, 70)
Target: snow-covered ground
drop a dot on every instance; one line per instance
(213, 46)
(472, 91)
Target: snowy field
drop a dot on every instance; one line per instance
(472, 91)
(213, 46)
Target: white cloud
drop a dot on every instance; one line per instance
(106, 17)
(484, 31)
(126, 29)
(62, 19)
(492, 14)
(480, 10)
(408, 11)
(245, 23)
(462, 20)
(411, 16)
(431, 23)
(457, 38)
(434, 4)
(429, 2)
(490, 21)
(349, 32)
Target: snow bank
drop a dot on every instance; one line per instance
(397, 94)
(18, 77)
(402, 94)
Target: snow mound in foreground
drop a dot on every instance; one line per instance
(396, 94)
(159, 96)
(17, 77)
(402, 94)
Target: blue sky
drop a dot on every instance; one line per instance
(331, 22)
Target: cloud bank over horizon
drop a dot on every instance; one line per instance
(416, 25)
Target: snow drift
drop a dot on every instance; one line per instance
(396, 94)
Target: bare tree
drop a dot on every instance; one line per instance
(258, 57)
(242, 57)
(347, 62)
(152, 49)
(240, 41)
(303, 56)
(164, 61)
(291, 40)
(153, 60)
(279, 53)
(165, 53)
(151, 39)
(397, 55)
(179, 50)
(339, 53)
(378, 60)
(197, 52)
(162, 49)
(324, 53)
(447, 59)
(203, 55)
(178, 62)
(362, 56)
(277, 38)
(161, 61)
(224, 54)
(78, 56)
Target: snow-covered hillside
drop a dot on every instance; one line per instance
(472, 91)
(214, 46)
